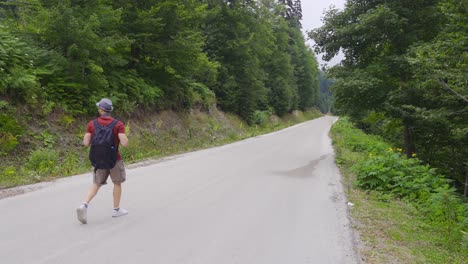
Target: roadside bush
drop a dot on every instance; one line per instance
(444, 206)
(391, 174)
(8, 174)
(439, 231)
(357, 140)
(10, 131)
(402, 177)
(261, 117)
(42, 161)
(70, 163)
(202, 96)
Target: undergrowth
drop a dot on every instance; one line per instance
(405, 211)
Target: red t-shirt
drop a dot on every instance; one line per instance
(105, 121)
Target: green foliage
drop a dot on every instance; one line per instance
(306, 71)
(202, 96)
(10, 130)
(280, 69)
(387, 176)
(385, 169)
(8, 175)
(18, 76)
(326, 100)
(444, 206)
(167, 49)
(405, 62)
(132, 91)
(440, 79)
(261, 117)
(66, 120)
(357, 91)
(42, 161)
(70, 163)
(10, 125)
(245, 56)
(239, 40)
(391, 172)
(7, 142)
(357, 140)
(263, 59)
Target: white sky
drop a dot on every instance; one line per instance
(312, 13)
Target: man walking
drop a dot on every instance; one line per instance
(94, 136)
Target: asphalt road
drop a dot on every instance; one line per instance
(273, 199)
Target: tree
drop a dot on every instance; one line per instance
(440, 80)
(83, 39)
(18, 60)
(325, 97)
(292, 12)
(167, 47)
(281, 79)
(161, 54)
(375, 36)
(240, 40)
(403, 65)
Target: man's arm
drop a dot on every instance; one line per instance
(123, 139)
(87, 139)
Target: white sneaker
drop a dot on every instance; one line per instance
(81, 213)
(120, 212)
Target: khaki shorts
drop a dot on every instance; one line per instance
(117, 174)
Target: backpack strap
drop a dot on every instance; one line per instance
(96, 124)
(113, 123)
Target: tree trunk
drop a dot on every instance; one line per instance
(135, 52)
(409, 145)
(466, 186)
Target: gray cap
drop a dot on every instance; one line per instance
(105, 104)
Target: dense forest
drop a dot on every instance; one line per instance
(243, 56)
(404, 75)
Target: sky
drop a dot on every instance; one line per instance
(312, 13)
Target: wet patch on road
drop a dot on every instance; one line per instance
(304, 171)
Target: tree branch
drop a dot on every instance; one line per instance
(453, 91)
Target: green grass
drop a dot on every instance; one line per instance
(396, 230)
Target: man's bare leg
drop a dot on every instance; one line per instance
(117, 194)
(81, 211)
(91, 193)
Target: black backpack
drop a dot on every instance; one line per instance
(103, 152)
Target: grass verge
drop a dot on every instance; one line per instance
(395, 227)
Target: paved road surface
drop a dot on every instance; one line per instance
(273, 199)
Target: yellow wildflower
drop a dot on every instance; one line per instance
(413, 155)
